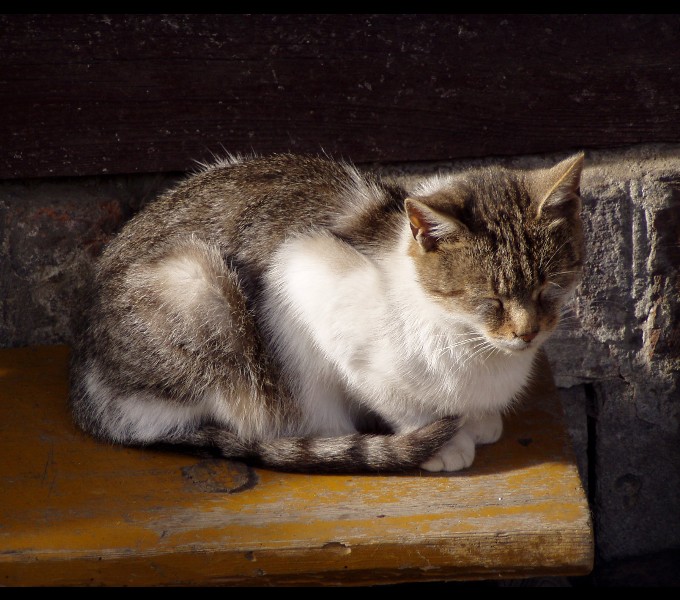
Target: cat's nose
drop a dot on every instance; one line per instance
(527, 337)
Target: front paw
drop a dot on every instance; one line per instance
(458, 453)
(485, 430)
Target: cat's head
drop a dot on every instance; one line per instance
(503, 248)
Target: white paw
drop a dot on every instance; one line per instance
(485, 430)
(456, 454)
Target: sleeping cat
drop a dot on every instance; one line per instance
(298, 313)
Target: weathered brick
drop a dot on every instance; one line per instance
(50, 231)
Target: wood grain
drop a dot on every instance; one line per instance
(78, 512)
(98, 94)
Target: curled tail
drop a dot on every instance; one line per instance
(345, 454)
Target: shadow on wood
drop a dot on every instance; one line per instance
(78, 512)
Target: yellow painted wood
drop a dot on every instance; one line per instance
(74, 511)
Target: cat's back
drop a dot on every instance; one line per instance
(248, 206)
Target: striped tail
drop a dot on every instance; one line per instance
(355, 453)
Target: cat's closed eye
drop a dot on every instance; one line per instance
(493, 303)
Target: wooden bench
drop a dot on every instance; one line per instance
(74, 511)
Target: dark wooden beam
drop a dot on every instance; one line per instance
(92, 94)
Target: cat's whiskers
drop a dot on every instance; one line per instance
(556, 273)
(491, 349)
(546, 266)
(569, 320)
(447, 334)
(568, 312)
(477, 349)
(458, 343)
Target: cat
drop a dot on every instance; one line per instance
(305, 316)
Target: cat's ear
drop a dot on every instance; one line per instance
(429, 226)
(558, 189)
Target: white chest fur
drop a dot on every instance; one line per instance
(352, 330)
